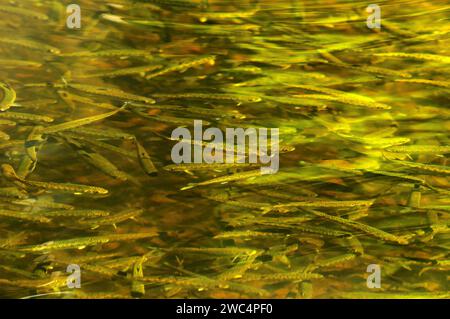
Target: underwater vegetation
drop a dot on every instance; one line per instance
(87, 178)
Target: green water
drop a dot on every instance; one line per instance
(362, 116)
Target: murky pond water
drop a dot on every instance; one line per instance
(89, 185)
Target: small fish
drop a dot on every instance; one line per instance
(112, 92)
(183, 65)
(11, 63)
(440, 169)
(82, 242)
(223, 198)
(330, 262)
(377, 141)
(217, 250)
(443, 84)
(346, 98)
(90, 213)
(114, 219)
(369, 230)
(100, 144)
(29, 44)
(416, 56)
(393, 295)
(240, 98)
(137, 288)
(26, 167)
(420, 149)
(205, 166)
(324, 204)
(8, 98)
(246, 234)
(122, 72)
(399, 175)
(415, 197)
(98, 161)
(295, 276)
(23, 216)
(44, 203)
(104, 133)
(227, 178)
(9, 172)
(70, 98)
(79, 122)
(109, 53)
(145, 160)
(33, 142)
(26, 117)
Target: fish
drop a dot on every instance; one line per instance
(416, 56)
(393, 295)
(30, 44)
(217, 250)
(324, 204)
(70, 98)
(26, 167)
(26, 117)
(100, 144)
(43, 203)
(294, 276)
(205, 166)
(137, 288)
(227, 179)
(376, 141)
(344, 97)
(122, 72)
(33, 142)
(109, 53)
(438, 169)
(103, 133)
(83, 242)
(145, 160)
(420, 149)
(240, 98)
(113, 219)
(12, 63)
(77, 123)
(183, 65)
(8, 98)
(443, 84)
(23, 216)
(98, 161)
(223, 198)
(246, 234)
(89, 213)
(112, 92)
(9, 172)
(369, 230)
